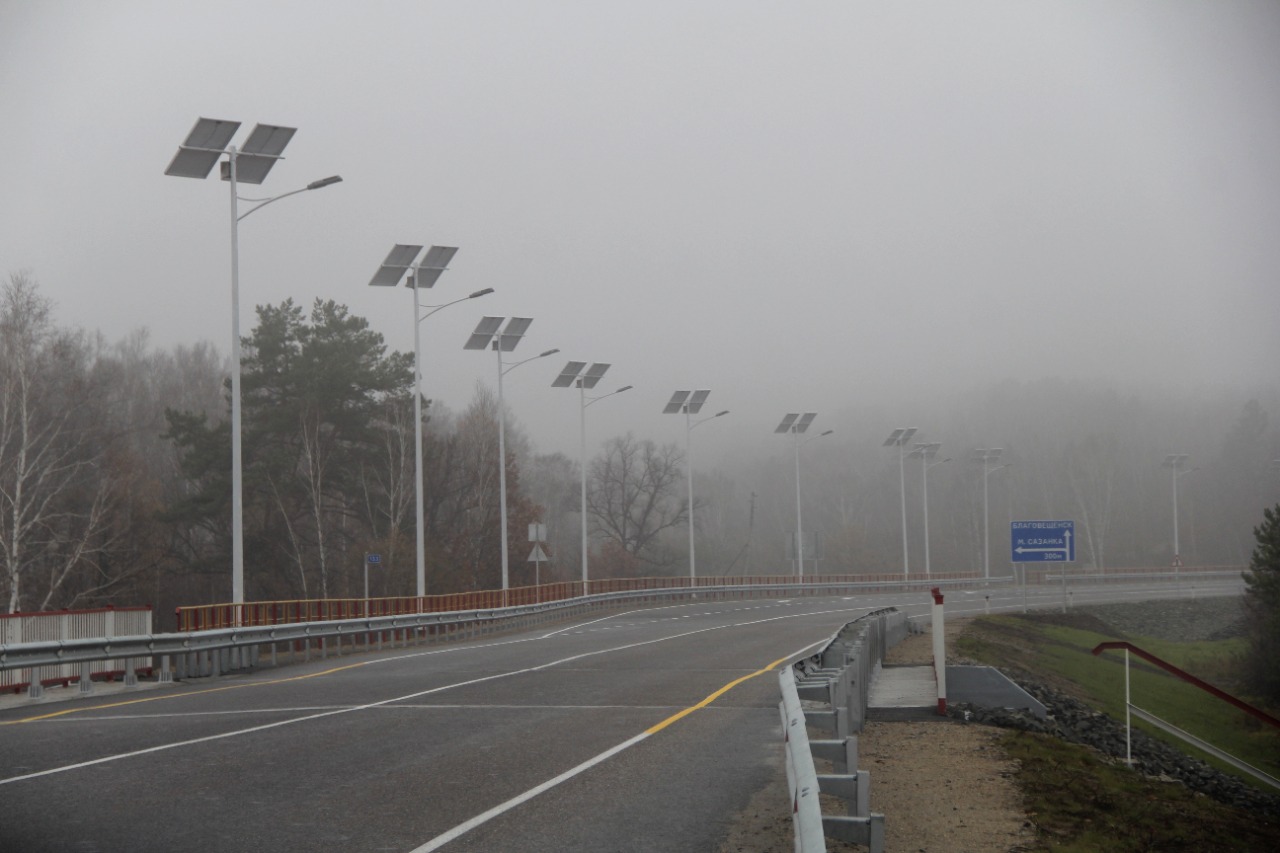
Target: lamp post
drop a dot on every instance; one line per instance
(204, 147)
(797, 424)
(925, 453)
(899, 438)
(576, 373)
(1177, 463)
(988, 457)
(491, 335)
(424, 274)
(682, 401)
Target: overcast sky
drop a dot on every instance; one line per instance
(800, 206)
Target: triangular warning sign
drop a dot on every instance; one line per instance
(536, 555)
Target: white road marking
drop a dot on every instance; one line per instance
(280, 723)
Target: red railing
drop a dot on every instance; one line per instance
(210, 616)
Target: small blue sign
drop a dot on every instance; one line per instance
(1042, 541)
(373, 559)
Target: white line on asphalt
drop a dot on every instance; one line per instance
(279, 723)
(502, 808)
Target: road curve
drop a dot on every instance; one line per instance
(640, 730)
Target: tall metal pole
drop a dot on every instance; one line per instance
(583, 393)
(902, 486)
(1176, 552)
(924, 482)
(502, 467)
(237, 485)
(986, 524)
(688, 463)
(799, 527)
(420, 521)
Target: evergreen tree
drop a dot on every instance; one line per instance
(1262, 604)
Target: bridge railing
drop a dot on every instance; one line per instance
(16, 628)
(210, 616)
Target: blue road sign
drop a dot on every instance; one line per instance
(1042, 541)
(373, 559)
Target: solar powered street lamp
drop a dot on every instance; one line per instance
(797, 425)
(988, 457)
(577, 374)
(491, 334)
(926, 452)
(690, 403)
(423, 274)
(899, 439)
(1177, 463)
(206, 145)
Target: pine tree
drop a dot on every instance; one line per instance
(1262, 604)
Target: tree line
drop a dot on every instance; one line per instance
(115, 475)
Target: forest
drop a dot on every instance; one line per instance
(115, 475)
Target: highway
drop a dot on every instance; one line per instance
(637, 730)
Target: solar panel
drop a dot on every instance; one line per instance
(204, 145)
(435, 262)
(483, 335)
(593, 374)
(260, 151)
(785, 426)
(676, 403)
(570, 373)
(696, 401)
(399, 259)
(511, 335)
(805, 420)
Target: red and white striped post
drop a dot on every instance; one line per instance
(939, 650)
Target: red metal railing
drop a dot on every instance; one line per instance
(211, 616)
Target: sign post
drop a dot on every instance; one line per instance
(369, 559)
(1044, 542)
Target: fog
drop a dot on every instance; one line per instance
(862, 210)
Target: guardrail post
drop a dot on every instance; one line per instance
(35, 690)
(130, 674)
(86, 679)
(166, 676)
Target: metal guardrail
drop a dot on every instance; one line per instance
(212, 652)
(840, 675)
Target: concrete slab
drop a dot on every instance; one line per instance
(910, 692)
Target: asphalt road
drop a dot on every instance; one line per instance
(645, 730)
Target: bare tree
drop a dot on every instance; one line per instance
(633, 496)
(55, 491)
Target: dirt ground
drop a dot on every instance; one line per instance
(942, 786)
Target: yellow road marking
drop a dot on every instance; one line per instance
(713, 697)
(82, 709)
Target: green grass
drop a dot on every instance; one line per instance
(1061, 655)
(1081, 804)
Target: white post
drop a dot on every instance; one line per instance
(924, 478)
(1128, 749)
(583, 392)
(688, 461)
(1176, 558)
(237, 486)
(799, 528)
(986, 525)
(940, 650)
(502, 468)
(902, 490)
(420, 519)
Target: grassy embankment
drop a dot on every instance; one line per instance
(1081, 802)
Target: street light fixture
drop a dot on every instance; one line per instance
(988, 457)
(691, 404)
(203, 148)
(491, 334)
(797, 424)
(1177, 463)
(425, 274)
(899, 438)
(926, 452)
(576, 373)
